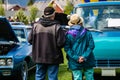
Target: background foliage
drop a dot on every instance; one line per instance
(2, 11)
(21, 16)
(33, 13)
(68, 8)
(30, 2)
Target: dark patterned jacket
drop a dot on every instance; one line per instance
(47, 39)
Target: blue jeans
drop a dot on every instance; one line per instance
(43, 69)
(89, 74)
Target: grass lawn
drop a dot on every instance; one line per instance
(64, 73)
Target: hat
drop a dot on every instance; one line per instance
(75, 19)
(49, 11)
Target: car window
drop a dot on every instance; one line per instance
(98, 17)
(20, 34)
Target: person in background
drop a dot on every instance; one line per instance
(62, 18)
(47, 39)
(10, 18)
(16, 19)
(79, 47)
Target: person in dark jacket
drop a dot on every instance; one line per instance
(62, 18)
(79, 48)
(47, 39)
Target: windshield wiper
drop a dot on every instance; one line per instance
(114, 27)
(95, 30)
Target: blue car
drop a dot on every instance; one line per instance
(15, 51)
(103, 20)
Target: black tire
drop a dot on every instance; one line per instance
(23, 72)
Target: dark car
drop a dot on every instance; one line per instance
(15, 51)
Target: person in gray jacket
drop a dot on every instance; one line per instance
(47, 39)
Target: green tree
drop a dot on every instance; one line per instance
(68, 8)
(21, 16)
(33, 13)
(2, 10)
(51, 4)
(31, 2)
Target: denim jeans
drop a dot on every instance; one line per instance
(88, 73)
(49, 69)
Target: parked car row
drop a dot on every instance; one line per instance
(15, 51)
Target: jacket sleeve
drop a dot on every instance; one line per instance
(90, 46)
(60, 37)
(31, 34)
(30, 37)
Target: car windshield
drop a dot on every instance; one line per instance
(16, 23)
(100, 17)
(20, 34)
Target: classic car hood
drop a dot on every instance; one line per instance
(6, 32)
